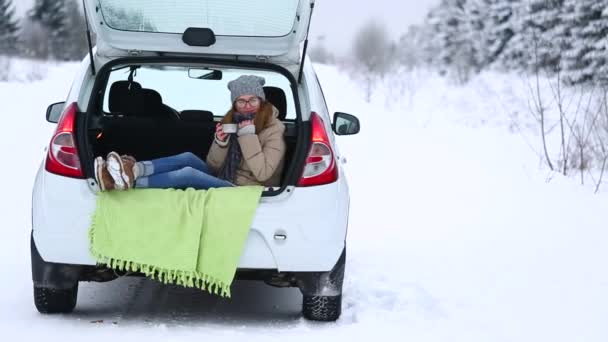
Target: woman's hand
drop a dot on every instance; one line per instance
(245, 123)
(219, 132)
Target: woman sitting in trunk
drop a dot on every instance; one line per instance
(254, 155)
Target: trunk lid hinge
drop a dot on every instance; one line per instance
(90, 41)
(312, 7)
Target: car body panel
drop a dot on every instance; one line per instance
(313, 221)
(275, 30)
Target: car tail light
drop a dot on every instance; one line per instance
(320, 167)
(62, 157)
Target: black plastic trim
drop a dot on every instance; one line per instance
(197, 36)
(52, 275)
(323, 283)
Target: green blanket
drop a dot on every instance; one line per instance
(187, 237)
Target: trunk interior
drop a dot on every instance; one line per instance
(146, 138)
(140, 124)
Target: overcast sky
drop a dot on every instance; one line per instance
(339, 20)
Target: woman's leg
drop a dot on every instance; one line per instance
(187, 177)
(173, 163)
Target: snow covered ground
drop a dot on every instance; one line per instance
(456, 234)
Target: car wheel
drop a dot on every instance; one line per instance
(322, 308)
(50, 300)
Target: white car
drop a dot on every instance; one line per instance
(155, 85)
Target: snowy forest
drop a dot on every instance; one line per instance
(558, 46)
(568, 36)
(51, 29)
(465, 37)
(459, 37)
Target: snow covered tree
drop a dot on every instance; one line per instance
(374, 52)
(585, 56)
(8, 28)
(568, 36)
(474, 33)
(76, 35)
(545, 33)
(599, 57)
(477, 30)
(414, 49)
(537, 36)
(34, 40)
(371, 47)
(456, 52)
(319, 53)
(52, 15)
(501, 26)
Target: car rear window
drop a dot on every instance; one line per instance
(180, 90)
(268, 18)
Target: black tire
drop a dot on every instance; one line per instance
(322, 308)
(50, 301)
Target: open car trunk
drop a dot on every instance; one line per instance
(147, 139)
(136, 113)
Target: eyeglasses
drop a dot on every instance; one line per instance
(254, 102)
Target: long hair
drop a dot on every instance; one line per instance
(262, 119)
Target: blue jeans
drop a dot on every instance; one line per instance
(181, 171)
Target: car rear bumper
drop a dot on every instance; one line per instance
(301, 230)
(66, 276)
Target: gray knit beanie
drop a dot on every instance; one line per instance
(247, 85)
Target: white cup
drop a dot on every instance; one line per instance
(229, 128)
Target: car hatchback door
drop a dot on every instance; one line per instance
(269, 28)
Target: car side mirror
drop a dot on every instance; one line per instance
(53, 112)
(345, 124)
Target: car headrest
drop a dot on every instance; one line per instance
(196, 115)
(152, 98)
(277, 97)
(153, 104)
(124, 97)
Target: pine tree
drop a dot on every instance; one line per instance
(76, 35)
(455, 50)
(589, 27)
(8, 29)
(53, 18)
(502, 24)
(599, 57)
(414, 49)
(477, 12)
(374, 52)
(533, 46)
(546, 35)
(319, 53)
(550, 35)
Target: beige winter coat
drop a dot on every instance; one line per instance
(263, 155)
